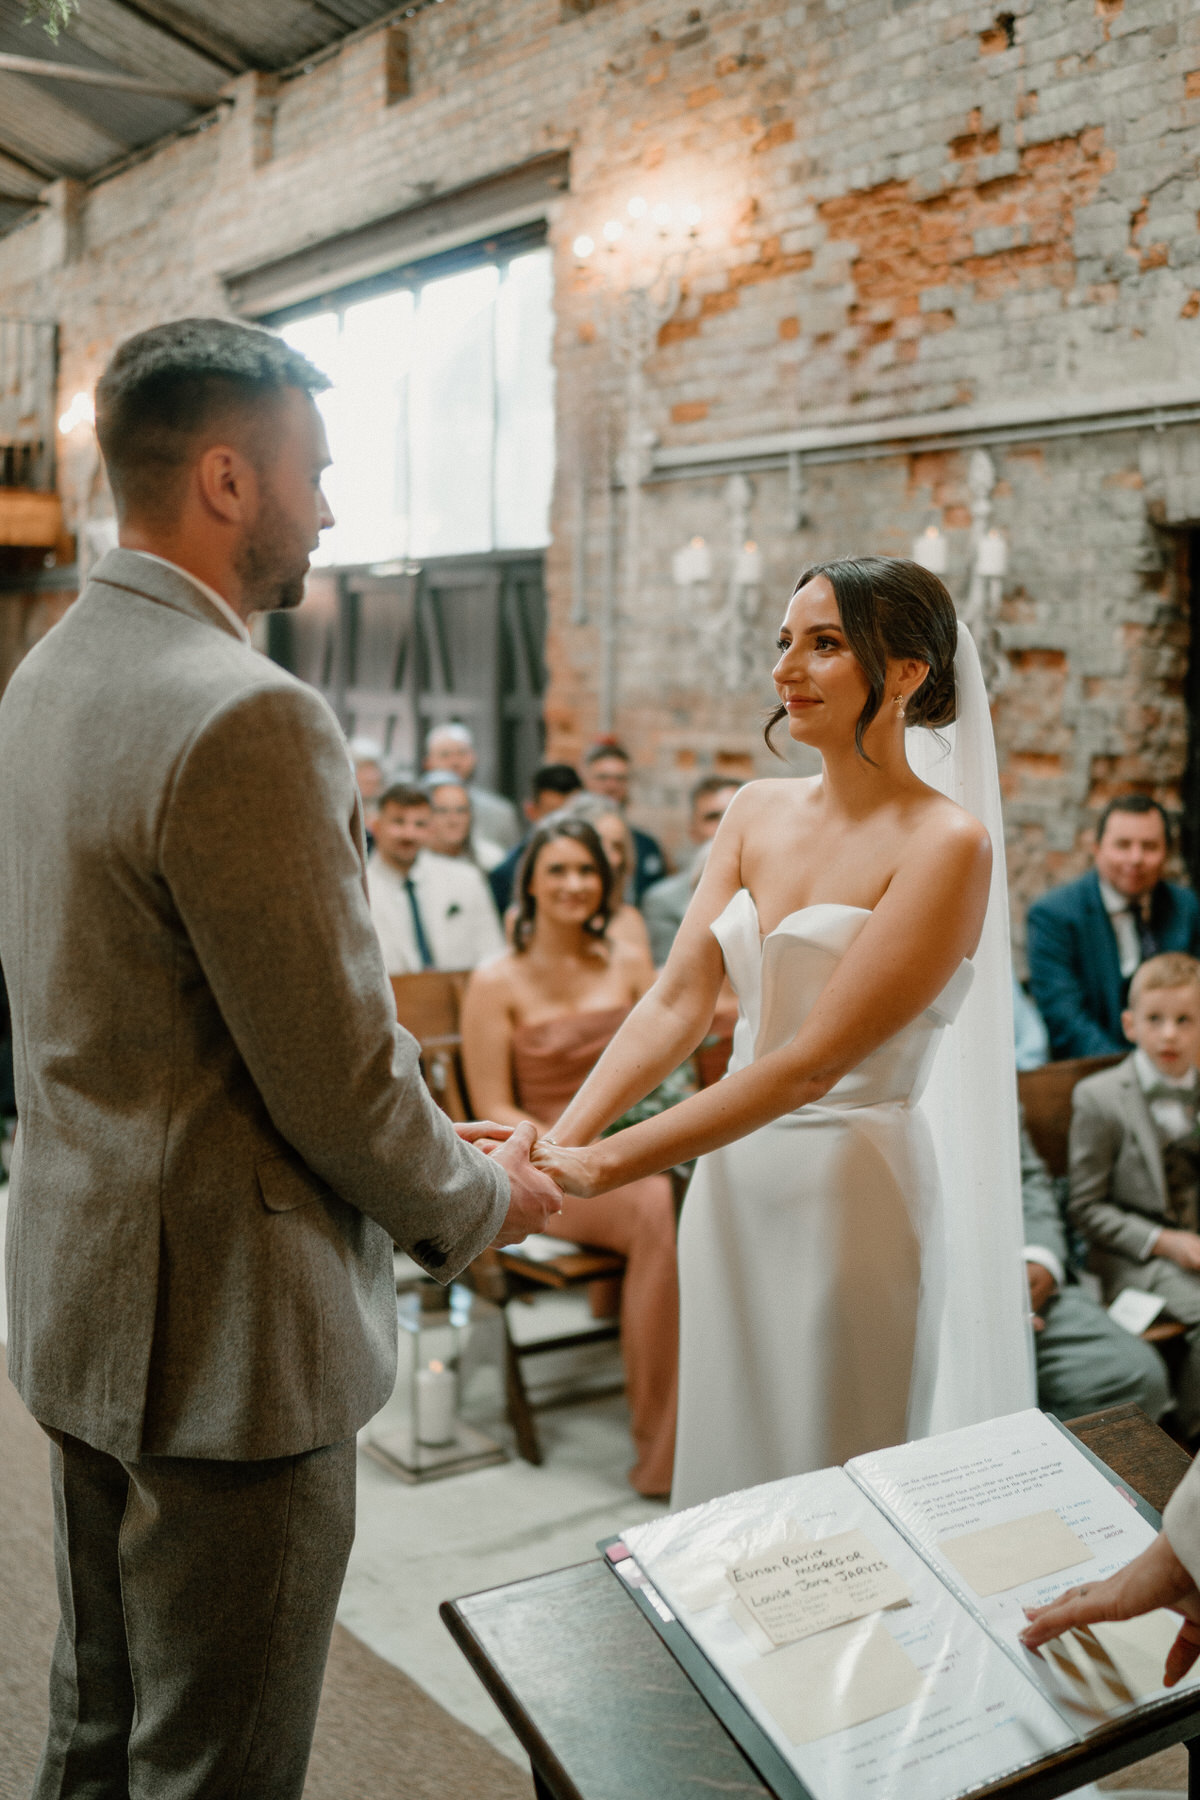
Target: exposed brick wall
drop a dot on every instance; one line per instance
(906, 207)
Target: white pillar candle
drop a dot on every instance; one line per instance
(931, 551)
(748, 565)
(435, 1405)
(992, 556)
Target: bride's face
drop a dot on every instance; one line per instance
(818, 677)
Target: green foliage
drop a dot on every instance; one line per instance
(55, 15)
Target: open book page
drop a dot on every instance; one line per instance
(1013, 1513)
(862, 1668)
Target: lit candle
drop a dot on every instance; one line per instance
(748, 566)
(992, 556)
(435, 1405)
(692, 564)
(931, 551)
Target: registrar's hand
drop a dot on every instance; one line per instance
(575, 1170)
(1155, 1578)
(535, 1198)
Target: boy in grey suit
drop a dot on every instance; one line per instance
(1135, 1158)
(222, 1129)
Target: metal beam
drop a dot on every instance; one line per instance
(173, 21)
(34, 163)
(128, 84)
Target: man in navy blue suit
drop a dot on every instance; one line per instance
(1086, 939)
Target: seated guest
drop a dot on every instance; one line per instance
(552, 785)
(1135, 1159)
(533, 1024)
(626, 925)
(451, 824)
(1029, 1030)
(606, 770)
(1085, 1360)
(431, 912)
(451, 750)
(367, 758)
(1086, 939)
(664, 904)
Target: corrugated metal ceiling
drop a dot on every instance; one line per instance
(50, 127)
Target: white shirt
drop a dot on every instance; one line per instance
(222, 606)
(458, 914)
(1124, 924)
(1174, 1113)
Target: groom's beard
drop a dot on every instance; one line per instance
(271, 565)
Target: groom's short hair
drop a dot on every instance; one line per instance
(169, 391)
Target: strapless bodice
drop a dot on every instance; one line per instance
(778, 977)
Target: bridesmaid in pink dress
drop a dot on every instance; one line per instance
(534, 1022)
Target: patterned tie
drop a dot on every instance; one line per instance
(423, 950)
(1147, 939)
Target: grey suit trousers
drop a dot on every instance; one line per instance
(197, 1602)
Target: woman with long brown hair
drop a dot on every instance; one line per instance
(534, 1022)
(845, 1283)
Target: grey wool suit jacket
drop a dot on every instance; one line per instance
(1118, 1195)
(222, 1127)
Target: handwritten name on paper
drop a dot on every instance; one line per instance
(801, 1588)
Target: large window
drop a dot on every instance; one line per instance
(441, 416)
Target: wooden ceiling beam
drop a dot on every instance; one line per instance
(42, 69)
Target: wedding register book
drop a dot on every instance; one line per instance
(857, 1630)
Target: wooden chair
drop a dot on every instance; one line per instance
(1045, 1095)
(427, 1004)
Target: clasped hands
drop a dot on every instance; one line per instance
(539, 1173)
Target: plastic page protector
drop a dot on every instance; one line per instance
(913, 1698)
(1015, 1514)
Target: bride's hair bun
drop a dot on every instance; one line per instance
(893, 610)
(936, 700)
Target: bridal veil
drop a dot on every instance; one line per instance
(975, 1347)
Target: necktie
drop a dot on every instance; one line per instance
(1147, 940)
(423, 950)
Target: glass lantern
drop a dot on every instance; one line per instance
(450, 1375)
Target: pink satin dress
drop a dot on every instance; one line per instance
(550, 1063)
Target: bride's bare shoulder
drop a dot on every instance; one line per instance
(946, 829)
(769, 793)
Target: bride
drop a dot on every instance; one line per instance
(818, 1316)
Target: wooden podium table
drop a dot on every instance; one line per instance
(606, 1713)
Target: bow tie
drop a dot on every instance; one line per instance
(1168, 1090)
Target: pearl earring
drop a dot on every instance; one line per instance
(900, 704)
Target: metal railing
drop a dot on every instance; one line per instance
(28, 379)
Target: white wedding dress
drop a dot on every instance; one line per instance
(852, 1274)
(804, 1340)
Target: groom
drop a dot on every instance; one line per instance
(222, 1129)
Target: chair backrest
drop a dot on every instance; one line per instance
(427, 1004)
(1046, 1101)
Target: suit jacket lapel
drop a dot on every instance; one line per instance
(1137, 1114)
